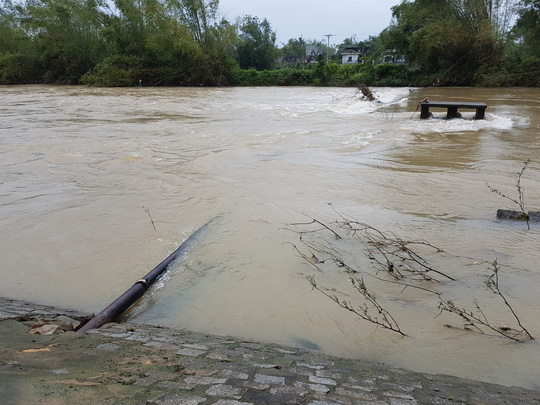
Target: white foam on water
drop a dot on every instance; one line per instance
(355, 104)
(439, 124)
(393, 95)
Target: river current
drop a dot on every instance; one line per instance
(97, 186)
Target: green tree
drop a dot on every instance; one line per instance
(193, 44)
(347, 44)
(177, 42)
(67, 34)
(256, 44)
(527, 27)
(15, 39)
(294, 49)
(453, 39)
(197, 15)
(128, 24)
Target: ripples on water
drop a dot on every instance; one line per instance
(79, 166)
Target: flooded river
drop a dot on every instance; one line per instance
(97, 186)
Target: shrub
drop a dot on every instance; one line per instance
(114, 71)
(20, 69)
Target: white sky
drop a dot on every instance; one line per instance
(313, 19)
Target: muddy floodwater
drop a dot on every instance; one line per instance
(97, 186)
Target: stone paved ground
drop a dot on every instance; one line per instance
(139, 364)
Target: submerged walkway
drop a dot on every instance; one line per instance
(140, 364)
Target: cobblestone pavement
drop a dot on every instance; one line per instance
(140, 364)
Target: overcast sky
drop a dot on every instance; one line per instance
(313, 19)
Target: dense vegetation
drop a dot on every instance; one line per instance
(186, 42)
(464, 42)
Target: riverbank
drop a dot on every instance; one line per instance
(140, 364)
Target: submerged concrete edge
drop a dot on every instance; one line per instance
(143, 364)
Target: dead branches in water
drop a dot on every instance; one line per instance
(357, 250)
(370, 310)
(150, 216)
(520, 201)
(492, 283)
(392, 254)
(477, 319)
(387, 252)
(366, 92)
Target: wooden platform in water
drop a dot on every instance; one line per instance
(452, 107)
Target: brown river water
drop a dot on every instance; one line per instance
(85, 171)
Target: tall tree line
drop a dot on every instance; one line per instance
(188, 42)
(126, 42)
(461, 42)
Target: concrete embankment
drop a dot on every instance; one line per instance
(140, 364)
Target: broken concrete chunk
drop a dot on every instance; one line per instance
(45, 330)
(67, 323)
